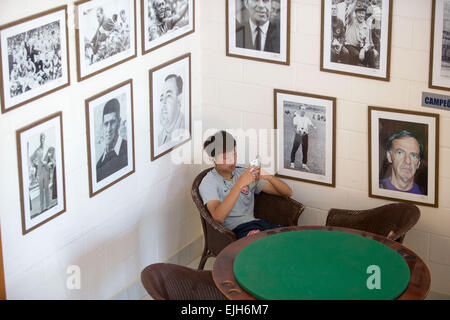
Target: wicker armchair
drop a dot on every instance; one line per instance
(277, 210)
(391, 220)
(165, 281)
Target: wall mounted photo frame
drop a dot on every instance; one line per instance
(110, 136)
(2, 272)
(404, 156)
(258, 30)
(170, 105)
(305, 126)
(356, 38)
(40, 154)
(439, 74)
(105, 35)
(34, 58)
(163, 22)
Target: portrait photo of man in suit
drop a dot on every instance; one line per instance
(115, 155)
(258, 29)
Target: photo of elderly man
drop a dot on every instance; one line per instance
(257, 28)
(115, 155)
(405, 153)
(171, 117)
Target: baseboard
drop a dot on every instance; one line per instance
(135, 290)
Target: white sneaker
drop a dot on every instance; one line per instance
(304, 166)
(292, 165)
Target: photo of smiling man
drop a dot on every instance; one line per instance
(115, 154)
(170, 105)
(171, 117)
(110, 137)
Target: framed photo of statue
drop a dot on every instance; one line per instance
(404, 156)
(356, 38)
(258, 30)
(305, 128)
(110, 136)
(170, 105)
(34, 58)
(105, 35)
(439, 75)
(165, 21)
(40, 154)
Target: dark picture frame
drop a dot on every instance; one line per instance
(110, 136)
(34, 58)
(305, 129)
(154, 37)
(167, 78)
(344, 54)
(439, 72)
(273, 42)
(111, 27)
(404, 156)
(40, 154)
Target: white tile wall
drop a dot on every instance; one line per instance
(112, 236)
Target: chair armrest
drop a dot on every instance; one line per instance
(277, 210)
(216, 234)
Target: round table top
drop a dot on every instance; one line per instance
(320, 265)
(417, 286)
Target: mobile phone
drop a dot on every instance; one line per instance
(255, 162)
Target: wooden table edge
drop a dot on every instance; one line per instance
(225, 281)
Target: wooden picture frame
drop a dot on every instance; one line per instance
(170, 114)
(110, 136)
(105, 35)
(404, 156)
(305, 128)
(242, 15)
(439, 73)
(34, 58)
(372, 58)
(154, 36)
(2, 271)
(40, 154)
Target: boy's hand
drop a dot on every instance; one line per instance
(250, 175)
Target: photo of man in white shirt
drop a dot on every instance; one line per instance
(302, 124)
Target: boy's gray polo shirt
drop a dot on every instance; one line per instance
(216, 187)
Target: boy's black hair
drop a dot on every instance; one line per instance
(220, 142)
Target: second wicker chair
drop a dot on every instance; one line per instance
(165, 281)
(391, 220)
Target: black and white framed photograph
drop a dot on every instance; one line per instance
(404, 155)
(110, 136)
(305, 126)
(40, 154)
(170, 105)
(356, 38)
(439, 75)
(258, 30)
(165, 21)
(34, 58)
(105, 34)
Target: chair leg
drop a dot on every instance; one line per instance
(205, 256)
(400, 240)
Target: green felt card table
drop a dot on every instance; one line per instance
(319, 263)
